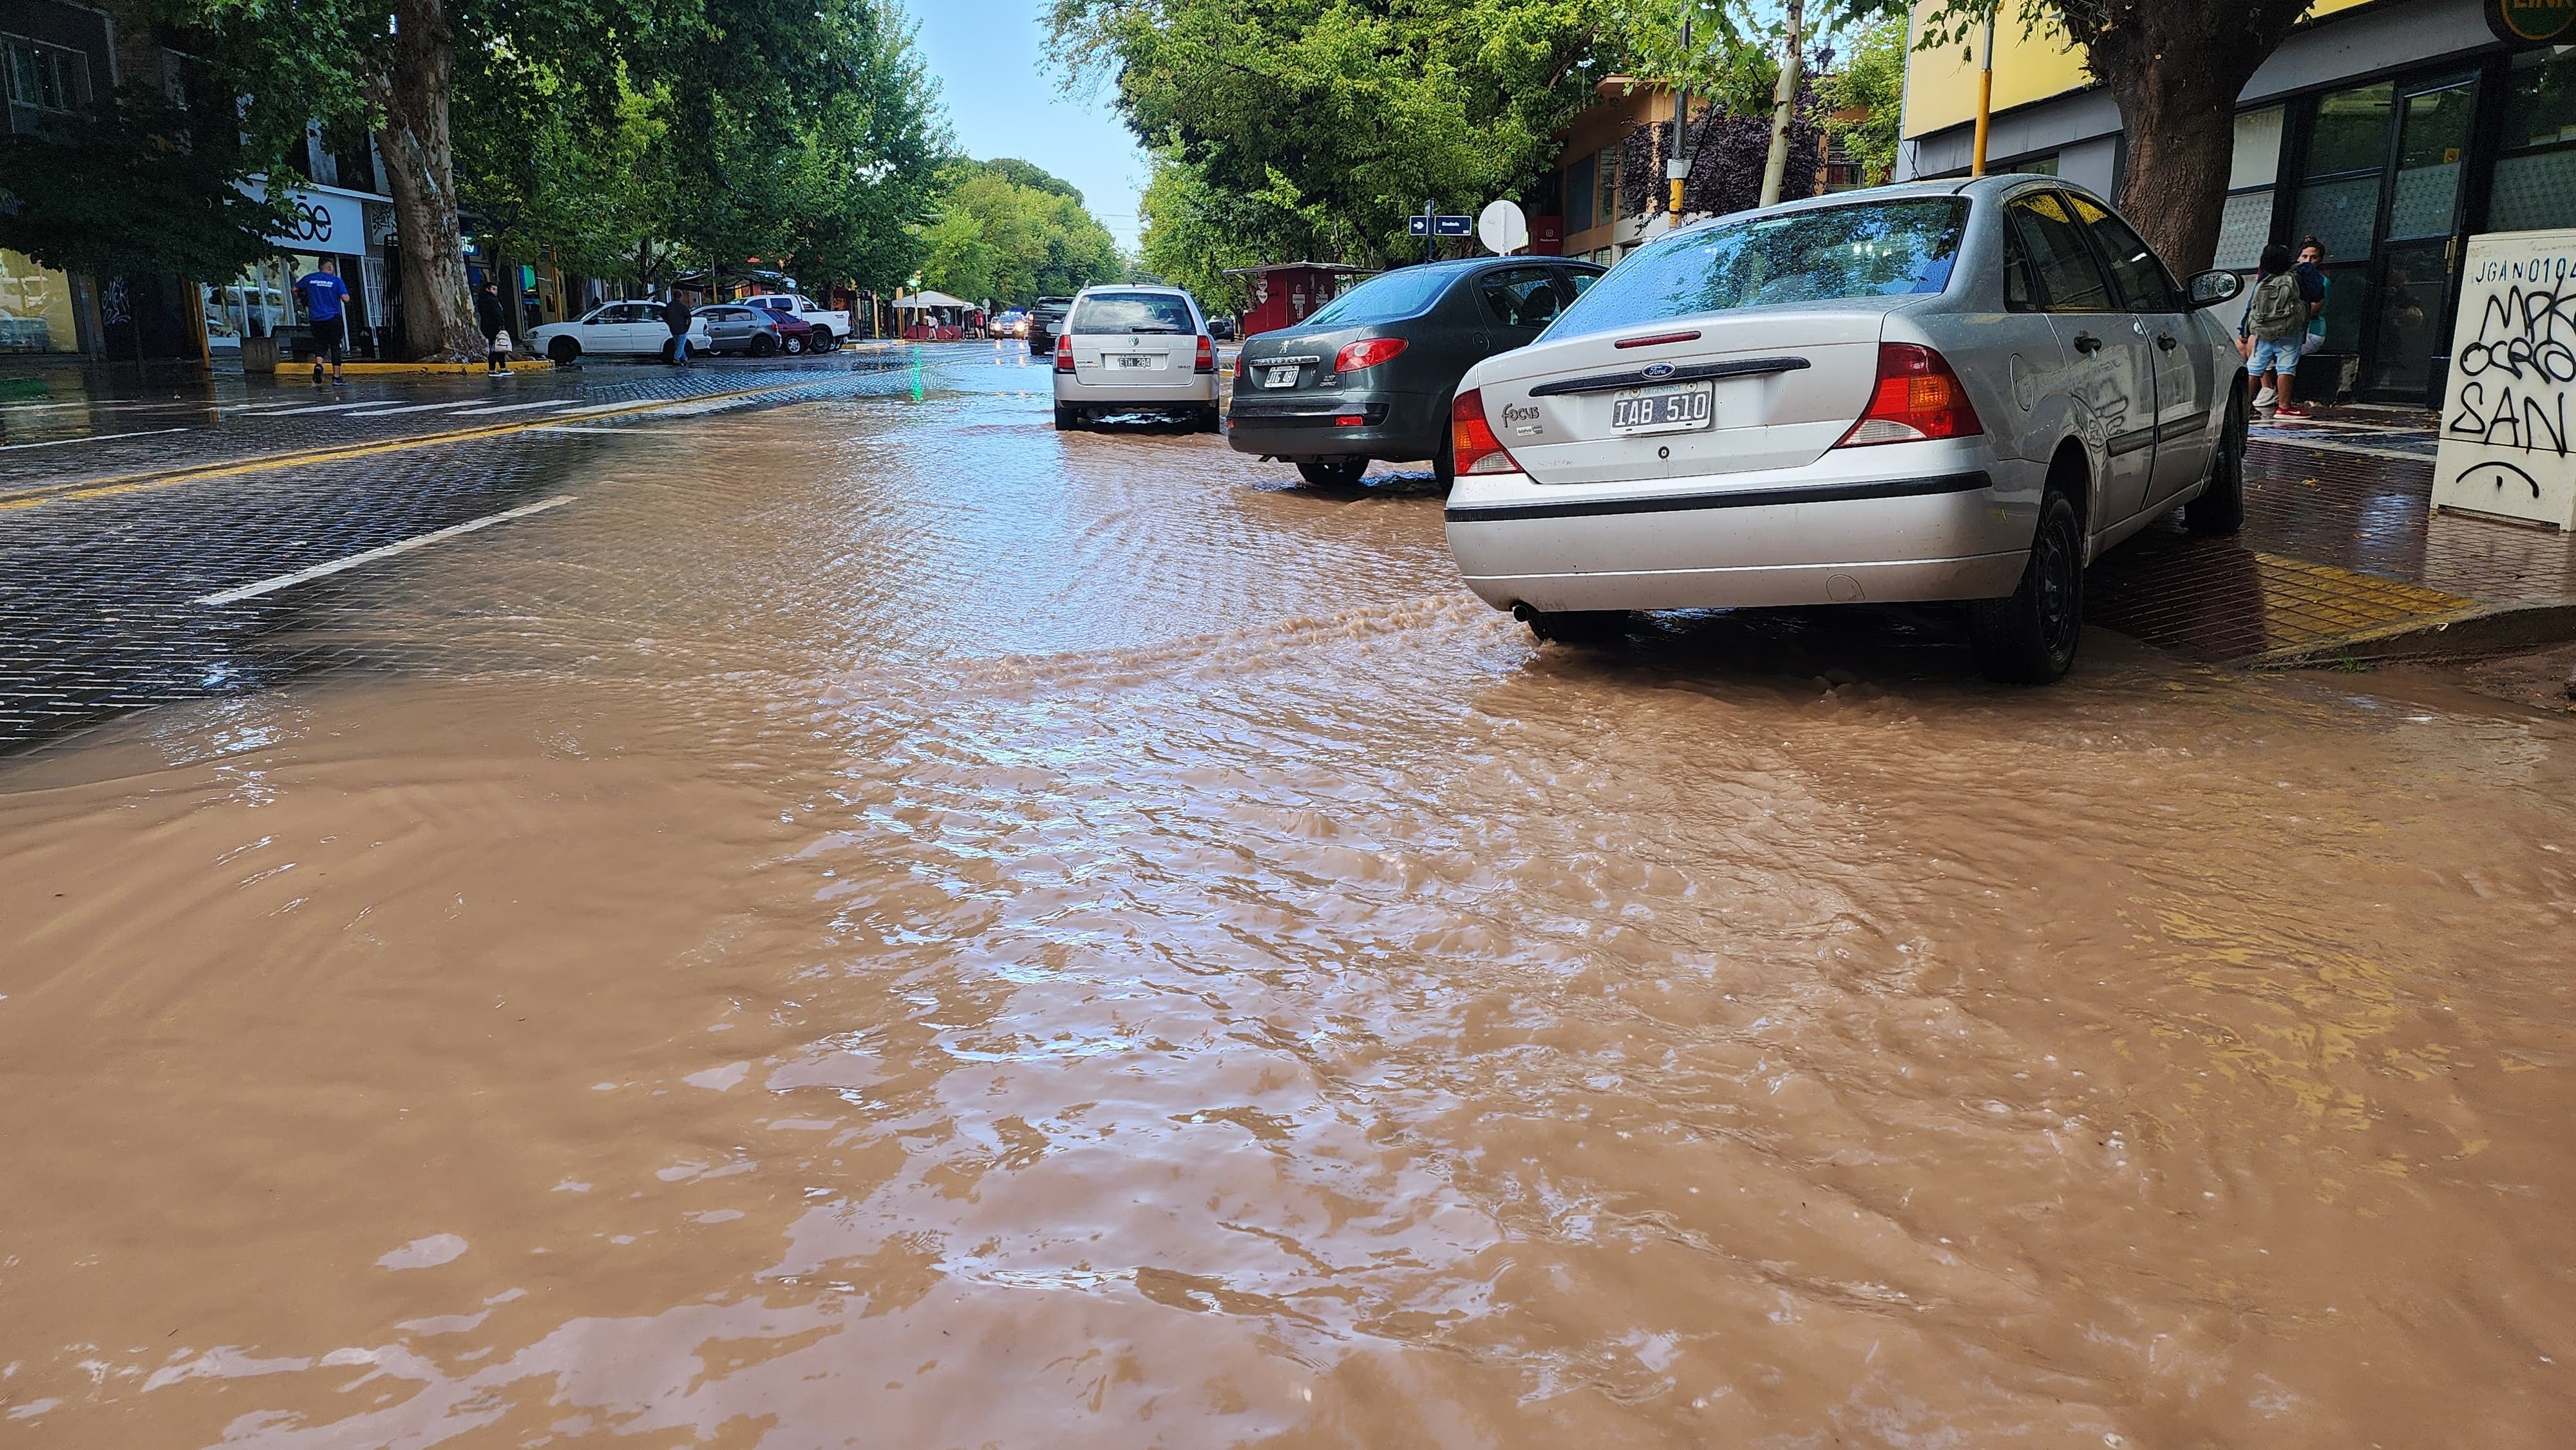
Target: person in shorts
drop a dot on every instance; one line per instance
(2275, 330)
(326, 314)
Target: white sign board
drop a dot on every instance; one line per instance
(1502, 228)
(321, 221)
(2506, 414)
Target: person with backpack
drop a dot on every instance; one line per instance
(2275, 330)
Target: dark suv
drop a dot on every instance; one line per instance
(1045, 316)
(1371, 374)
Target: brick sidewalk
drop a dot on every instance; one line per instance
(2340, 549)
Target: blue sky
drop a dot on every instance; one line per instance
(1004, 98)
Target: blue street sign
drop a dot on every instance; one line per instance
(1440, 226)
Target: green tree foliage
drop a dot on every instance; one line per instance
(1345, 114)
(129, 189)
(1194, 232)
(1008, 231)
(1871, 80)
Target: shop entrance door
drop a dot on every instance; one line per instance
(2413, 269)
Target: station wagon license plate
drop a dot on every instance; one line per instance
(1135, 360)
(1664, 410)
(1279, 377)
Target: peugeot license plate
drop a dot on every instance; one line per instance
(1279, 377)
(1664, 410)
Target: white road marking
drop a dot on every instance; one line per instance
(321, 408)
(90, 438)
(2337, 445)
(405, 546)
(408, 408)
(576, 428)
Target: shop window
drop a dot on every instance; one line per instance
(1605, 173)
(2341, 214)
(1578, 195)
(2431, 143)
(2351, 130)
(35, 307)
(2535, 176)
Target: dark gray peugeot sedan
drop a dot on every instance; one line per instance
(1371, 375)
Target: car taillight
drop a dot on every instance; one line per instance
(1473, 448)
(1207, 355)
(1368, 352)
(1916, 398)
(1064, 352)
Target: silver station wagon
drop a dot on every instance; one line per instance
(1940, 391)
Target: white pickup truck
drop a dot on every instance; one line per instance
(826, 320)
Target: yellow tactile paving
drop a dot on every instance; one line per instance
(2306, 603)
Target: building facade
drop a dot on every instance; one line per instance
(2389, 130)
(59, 59)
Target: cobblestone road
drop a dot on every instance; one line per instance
(102, 581)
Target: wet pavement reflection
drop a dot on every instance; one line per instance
(884, 924)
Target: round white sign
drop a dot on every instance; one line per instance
(1502, 228)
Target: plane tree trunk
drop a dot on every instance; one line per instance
(420, 167)
(2175, 68)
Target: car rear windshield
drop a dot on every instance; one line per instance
(1132, 312)
(1386, 297)
(1873, 249)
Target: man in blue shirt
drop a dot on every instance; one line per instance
(324, 295)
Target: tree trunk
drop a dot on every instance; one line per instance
(420, 165)
(1775, 170)
(2175, 68)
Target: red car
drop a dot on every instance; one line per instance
(795, 334)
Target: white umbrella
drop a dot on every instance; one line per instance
(919, 300)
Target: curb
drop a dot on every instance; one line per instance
(2484, 629)
(383, 369)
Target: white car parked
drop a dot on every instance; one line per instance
(831, 325)
(632, 329)
(1134, 349)
(1941, 391)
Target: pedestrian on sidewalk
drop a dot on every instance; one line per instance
(496, 332)
(325, 314)
(2274, 330)
(2312, 273)
(675, 316)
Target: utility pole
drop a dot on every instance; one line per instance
(1784, 101)
(1430, 226)
(1985, 96)
(1677, 169)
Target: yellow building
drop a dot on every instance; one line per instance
(2389, 130)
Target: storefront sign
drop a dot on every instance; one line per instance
(320, 221)
(2532, 22)
(2506, 413)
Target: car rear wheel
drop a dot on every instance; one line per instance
(1067, 419)
(563, 351)
(2029, 638)
(764, 346)
(1333, 472)
(2220, 509)
(791, 345)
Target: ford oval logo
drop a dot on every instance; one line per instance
(1659, 370)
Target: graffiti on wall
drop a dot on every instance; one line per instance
(2505, 438)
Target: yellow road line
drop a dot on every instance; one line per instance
(73, 490)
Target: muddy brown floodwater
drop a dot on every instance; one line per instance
(882, 926)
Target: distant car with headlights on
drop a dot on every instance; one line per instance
(1128, 348)
(1371, 373)
(1940, 391)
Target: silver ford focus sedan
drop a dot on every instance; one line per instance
(1940, 391)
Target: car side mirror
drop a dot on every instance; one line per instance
(2211, 288)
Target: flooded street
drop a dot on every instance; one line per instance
(880, 924)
